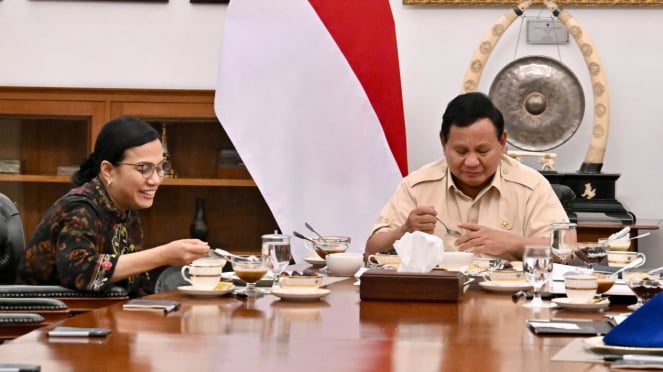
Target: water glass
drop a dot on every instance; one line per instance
(563, 239)
(537, 267)
(276, 251)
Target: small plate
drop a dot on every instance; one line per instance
(505, 286)
(315, 261)
(189, 290)
(313, 295)
(596, 345)
(564, 303)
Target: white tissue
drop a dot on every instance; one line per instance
(419, 252)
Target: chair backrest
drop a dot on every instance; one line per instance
(565, 195)
(12, 240)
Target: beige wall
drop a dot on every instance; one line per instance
(176, 45)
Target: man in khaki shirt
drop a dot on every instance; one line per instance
(499, 204)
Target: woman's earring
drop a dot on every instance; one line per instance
(109, 182)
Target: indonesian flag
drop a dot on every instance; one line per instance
(309, 92)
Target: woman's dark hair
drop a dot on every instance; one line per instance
(116, 136)
(466, 109)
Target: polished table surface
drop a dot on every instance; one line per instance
(483, 332)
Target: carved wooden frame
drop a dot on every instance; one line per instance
(589, 3)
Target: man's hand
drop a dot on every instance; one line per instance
(421, 219)
(483, 240)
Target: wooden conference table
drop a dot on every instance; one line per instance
(483, 332)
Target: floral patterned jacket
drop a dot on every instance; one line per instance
(79, 240)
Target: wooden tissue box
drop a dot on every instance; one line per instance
(389, 285)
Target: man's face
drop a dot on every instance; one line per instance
(473, 154)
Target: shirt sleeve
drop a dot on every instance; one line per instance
(544, 209)
(397, 209)
(80, 258)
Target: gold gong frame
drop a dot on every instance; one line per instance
(589, 3)
(599, 140)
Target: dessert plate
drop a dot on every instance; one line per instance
(315, 261)
(298, 295)
(596, 345)
(564, 303)
(191, 291)
(505, 286)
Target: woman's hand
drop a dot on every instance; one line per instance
(183, 251)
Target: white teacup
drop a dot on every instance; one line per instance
(580, 288)
(621, 258)
(204, 273)
(385, 259)
(344, 264)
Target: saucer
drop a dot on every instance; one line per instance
(315, 261)
(191, 291)
(564, 303)
(505, 286)
(298, 295)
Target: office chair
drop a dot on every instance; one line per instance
(12, 241)
(25, 307)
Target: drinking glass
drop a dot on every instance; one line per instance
(250, 269)
(591, 253)
(643, 284)
(563, 240)
(276, 251)
(537, 266)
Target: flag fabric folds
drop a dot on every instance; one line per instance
(309, 93)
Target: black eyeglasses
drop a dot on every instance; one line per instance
(147, 169)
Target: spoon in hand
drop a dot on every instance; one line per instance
(450, 232)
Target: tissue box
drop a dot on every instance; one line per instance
(390, 285)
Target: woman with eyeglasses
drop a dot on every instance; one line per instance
(91, 238)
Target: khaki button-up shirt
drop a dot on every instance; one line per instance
(518, 200)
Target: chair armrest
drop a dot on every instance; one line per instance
(10, 319)
(31, 304)
(56, 291)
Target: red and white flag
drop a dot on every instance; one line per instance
(309, 93)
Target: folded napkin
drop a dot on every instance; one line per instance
(419, 252)
(643, 328)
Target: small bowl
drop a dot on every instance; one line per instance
(456, 260)
(301, 282)
(331, 244)
(344, 264)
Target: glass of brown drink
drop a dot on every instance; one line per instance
(643, 284)
(331, 244)
(250, 269)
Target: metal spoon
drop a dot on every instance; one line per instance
(302, 236)
(225, 254)
(313, 230)
(607, 242)
(450, 232)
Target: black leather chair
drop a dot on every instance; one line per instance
(565, 195)
(12, 240)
